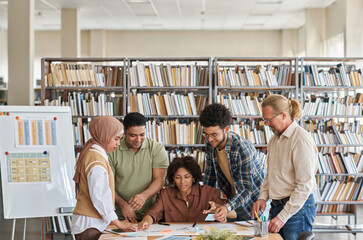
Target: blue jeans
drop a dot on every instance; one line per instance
(298, 223)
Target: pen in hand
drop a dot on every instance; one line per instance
(194, 224)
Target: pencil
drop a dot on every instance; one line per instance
(257, 217)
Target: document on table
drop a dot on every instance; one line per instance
(188, 229)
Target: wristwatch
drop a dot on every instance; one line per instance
(229, 208)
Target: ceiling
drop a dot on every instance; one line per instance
(173, 14)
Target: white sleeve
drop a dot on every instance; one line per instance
(100, 193)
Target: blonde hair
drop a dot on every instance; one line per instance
(281, 104)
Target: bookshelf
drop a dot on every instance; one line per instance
(171, 92)
(91, 87)
(331, 96)
(241, 84)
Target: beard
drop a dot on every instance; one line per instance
(275, 131)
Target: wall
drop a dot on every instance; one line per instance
(168, 44)
(48, 44)
(354, 29)
(193, 43)
(315, 31)
(335, 18)
(289, 43)
(301, 42)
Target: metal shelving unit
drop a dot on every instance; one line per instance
(322, 64)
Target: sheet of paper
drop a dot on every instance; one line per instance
(210, 218)
(189, 230)
(170, 237)
(249, 223)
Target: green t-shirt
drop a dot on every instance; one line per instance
(134, 171)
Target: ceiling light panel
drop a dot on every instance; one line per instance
(142, 9)
(167, 9)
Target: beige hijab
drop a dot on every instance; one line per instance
(102, 130)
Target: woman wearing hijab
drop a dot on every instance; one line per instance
(94, 180)
(186, 200)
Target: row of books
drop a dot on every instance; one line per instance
(81, 132)
(90, 104)
(257, 134)
(338, 75)
(160, 75)
(334, 106)
(341, 190)
(335, 137)
(244, 76)
(326, 125)
(328, 132)
(75, 74)
(171, 132)
(166, 132)
(58, 224)
(170, 104)
(197, 154)
(241, 104)
(175, 132)
(340, 163)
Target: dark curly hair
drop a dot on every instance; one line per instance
(215, 115)
(186, 162)
(134, 119)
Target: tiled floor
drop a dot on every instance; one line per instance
(33, 229)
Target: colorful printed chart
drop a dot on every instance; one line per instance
(28, 167)
(35, 132)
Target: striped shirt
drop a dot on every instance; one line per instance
(247, 171)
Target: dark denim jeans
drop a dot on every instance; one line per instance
(298, 223)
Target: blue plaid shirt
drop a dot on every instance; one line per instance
(247, 170)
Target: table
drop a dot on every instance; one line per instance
(110, 236)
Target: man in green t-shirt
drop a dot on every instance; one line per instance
(139, 165)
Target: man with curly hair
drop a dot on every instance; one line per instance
(232, 162)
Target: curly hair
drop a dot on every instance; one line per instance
(186, 162)
(215, 115)
(134, 119)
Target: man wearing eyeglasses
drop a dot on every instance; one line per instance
(232, 162)
(292, 163)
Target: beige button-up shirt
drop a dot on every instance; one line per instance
(292, 163)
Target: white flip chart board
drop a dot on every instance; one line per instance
(37, 160)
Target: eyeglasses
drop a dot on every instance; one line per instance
(268, 120)
(213, 135)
